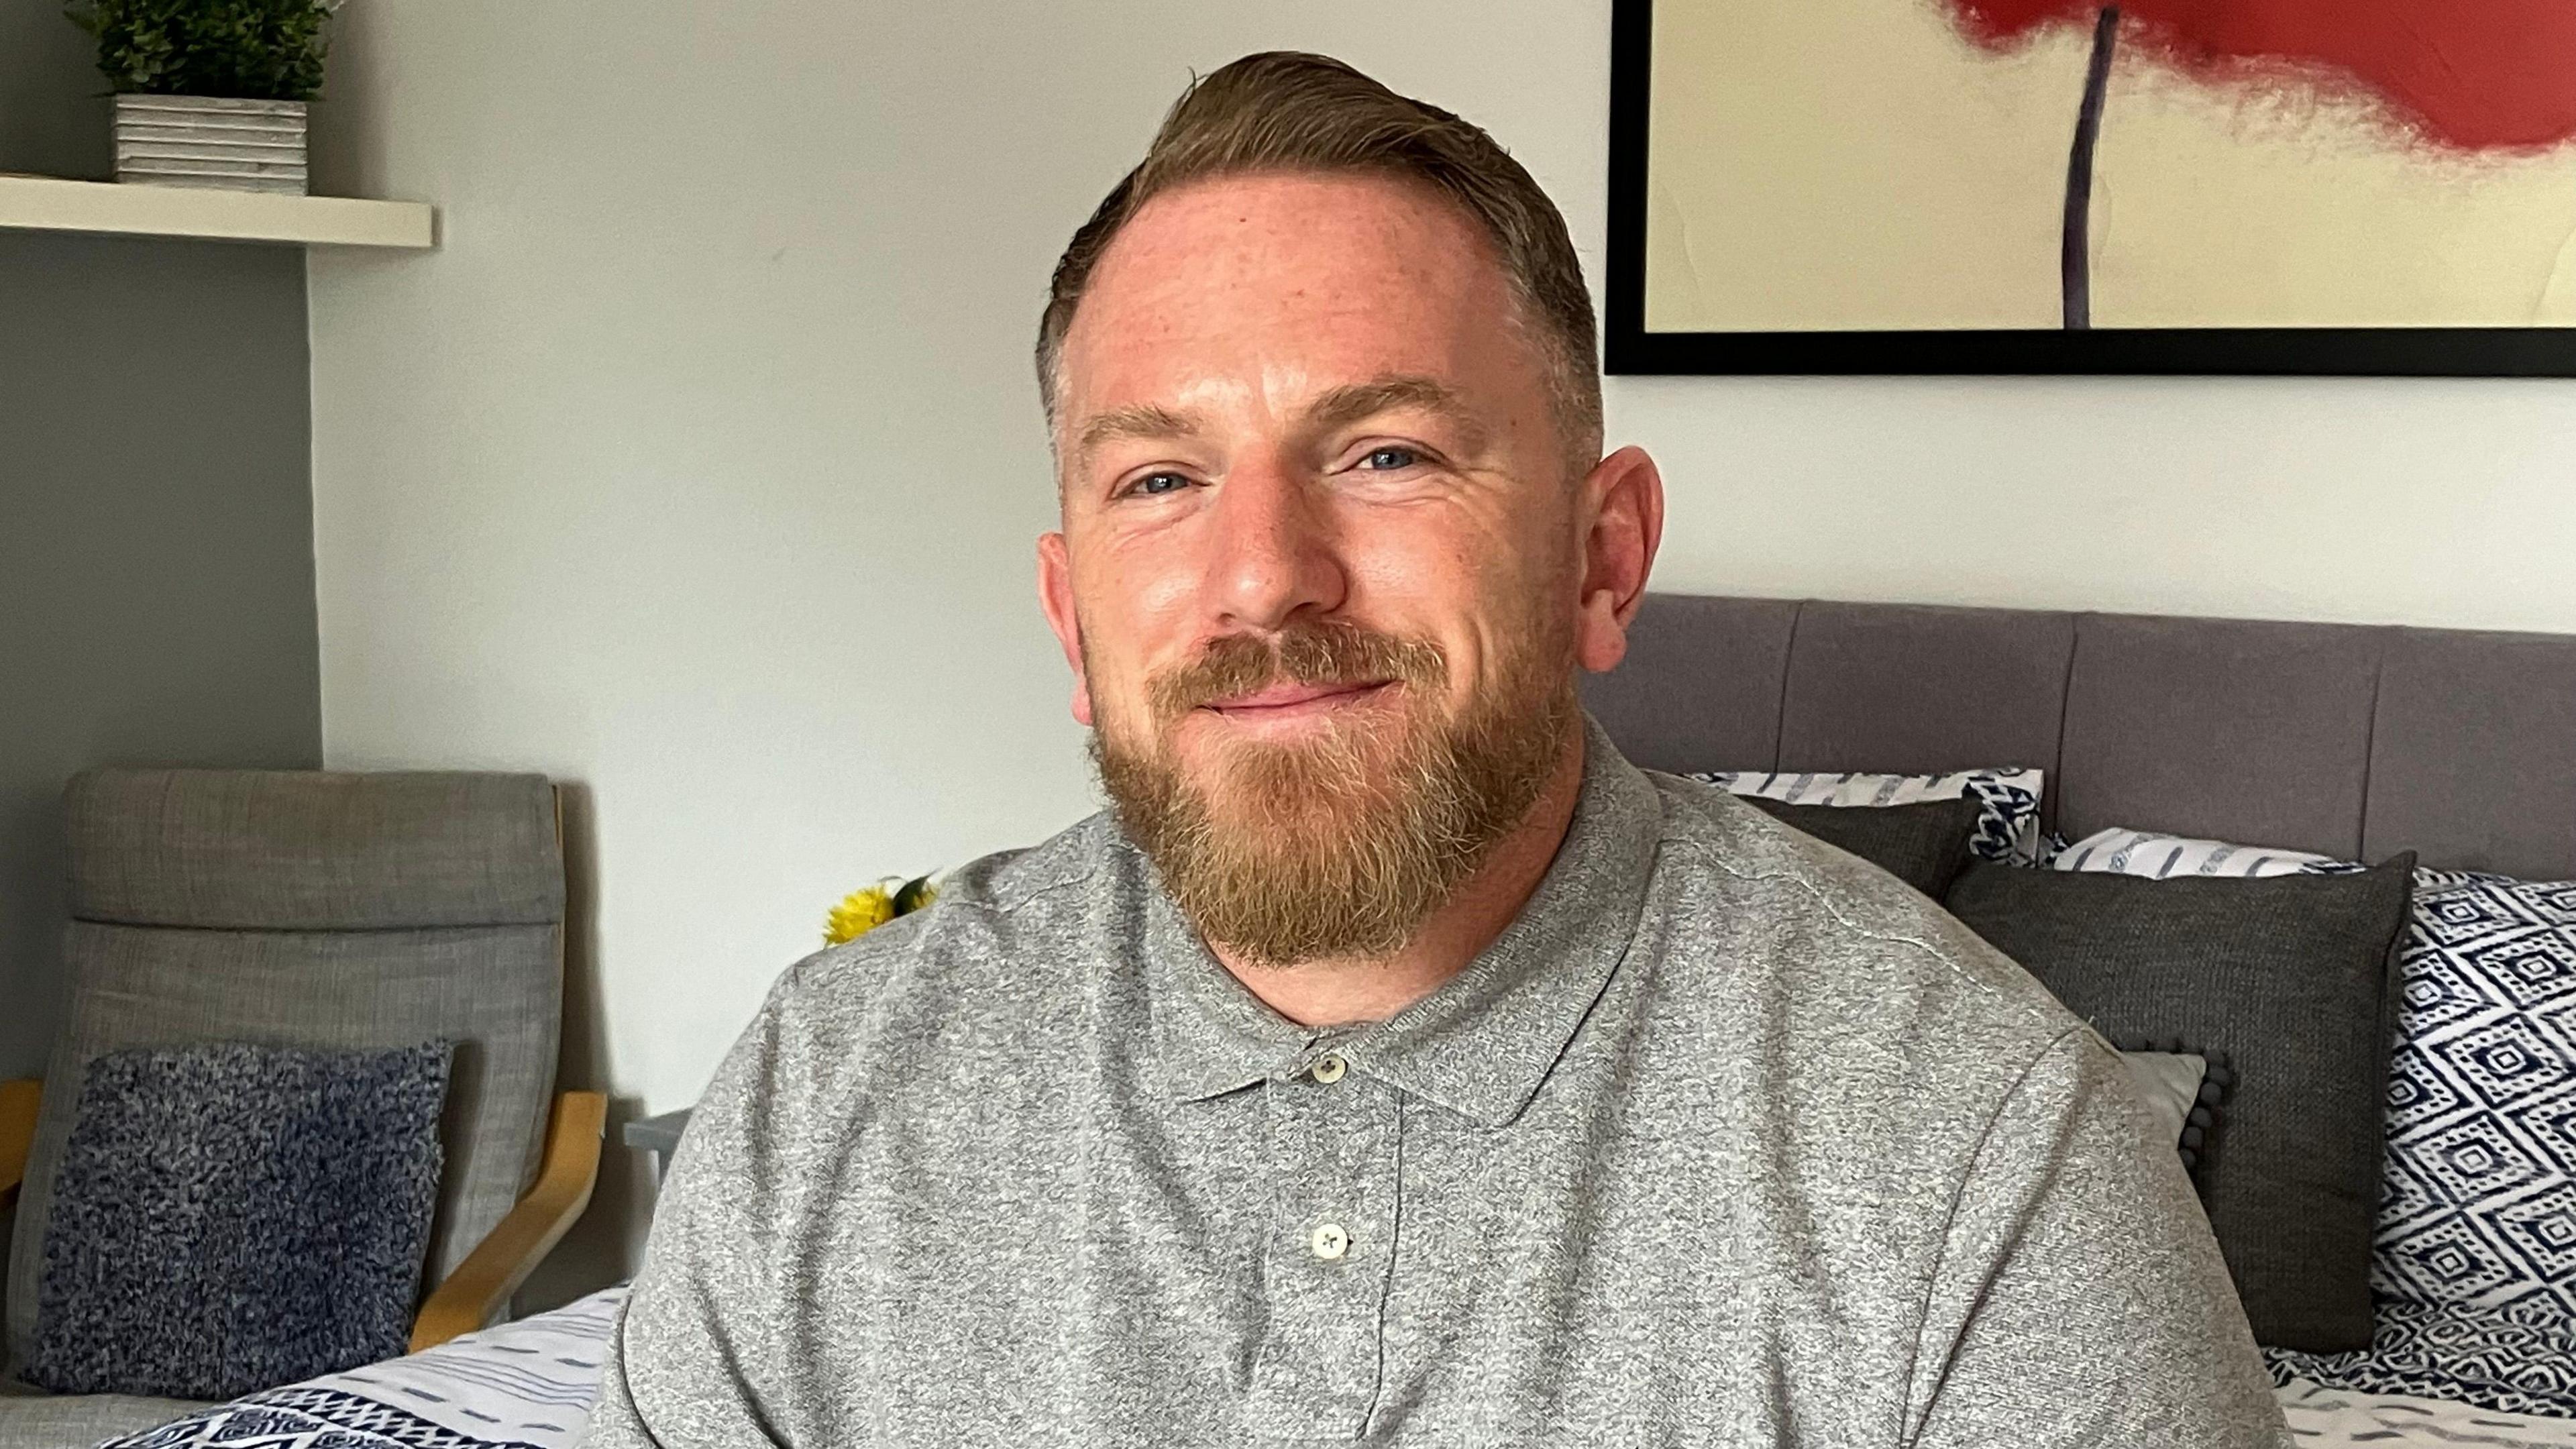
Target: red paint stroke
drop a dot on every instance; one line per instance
(2472, 74)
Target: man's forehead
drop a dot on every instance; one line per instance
(1380, 200)
(1274, 288)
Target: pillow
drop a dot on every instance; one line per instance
(2182, 1091)
(1923, 844)
(2144, 852)
(229, 1217)
(2478, 1195)
(2480, 1203)
(2169, 1084)
(2292, 976)
(527, 1384)
(2007, 829)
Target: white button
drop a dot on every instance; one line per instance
(1330, 1242)
(1328, 1068)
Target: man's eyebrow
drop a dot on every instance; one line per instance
(1136, 420)
(1360, 401)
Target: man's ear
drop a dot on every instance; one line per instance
(1622, 501)
(1055, 596)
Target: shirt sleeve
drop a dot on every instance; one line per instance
(690, 1360)
(2081, 1299)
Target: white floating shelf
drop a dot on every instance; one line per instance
(45, 203)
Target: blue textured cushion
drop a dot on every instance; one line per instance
(230, 1217)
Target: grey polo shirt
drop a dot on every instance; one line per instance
(1729, 1139)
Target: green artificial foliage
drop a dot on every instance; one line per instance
(263, 50)
(914, 894)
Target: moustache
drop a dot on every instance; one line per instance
(1323, 653)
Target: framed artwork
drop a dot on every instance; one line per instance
(2040, 186)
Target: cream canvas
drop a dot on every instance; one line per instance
(1874, 165)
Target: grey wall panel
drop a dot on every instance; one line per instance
(156, 546)
(1700, 688)
(2473, 755)
(2354, 741)
(1910, 689)
(2228, 729)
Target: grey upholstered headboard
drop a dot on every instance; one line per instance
(2358, 742)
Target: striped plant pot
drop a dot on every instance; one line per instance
(211, 141)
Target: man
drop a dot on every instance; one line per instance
(1395, 1064)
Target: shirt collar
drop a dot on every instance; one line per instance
(1482, 1043)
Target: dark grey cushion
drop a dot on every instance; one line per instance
(2292, 976)
(1922, 844)
(230, 1217)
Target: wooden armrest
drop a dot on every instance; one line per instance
(19, 1100)
(505, 1257)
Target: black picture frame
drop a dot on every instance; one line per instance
(1629, 349)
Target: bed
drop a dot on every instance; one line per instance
(529, 1385)
(2351, 742)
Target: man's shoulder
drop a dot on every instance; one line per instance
(1009, 950)
(982, 989)
(1813, 922)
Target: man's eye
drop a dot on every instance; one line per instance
(1388, 459)
(1154, 485)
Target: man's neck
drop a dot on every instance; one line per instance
(1330, 992)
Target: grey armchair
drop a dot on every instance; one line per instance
(331, 910)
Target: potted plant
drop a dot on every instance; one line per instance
(210, 92)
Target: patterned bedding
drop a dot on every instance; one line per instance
(2331, 1418)
(2517, 1360)
(524, 1385)
(529, 1385)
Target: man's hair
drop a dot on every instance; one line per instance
(1286, 111)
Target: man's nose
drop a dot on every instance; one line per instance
(1274, 552)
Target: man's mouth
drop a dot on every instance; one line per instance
(1280, 701)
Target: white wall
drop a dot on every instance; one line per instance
(701, 463)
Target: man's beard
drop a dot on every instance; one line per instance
(1339, 846)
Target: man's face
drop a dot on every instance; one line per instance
(1321, 556)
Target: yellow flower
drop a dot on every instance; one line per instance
(859, 912)
(863, 910)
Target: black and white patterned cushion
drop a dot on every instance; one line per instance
(2164, 857)
(528, 1384)
(2479, 1207)
(2007, 828)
